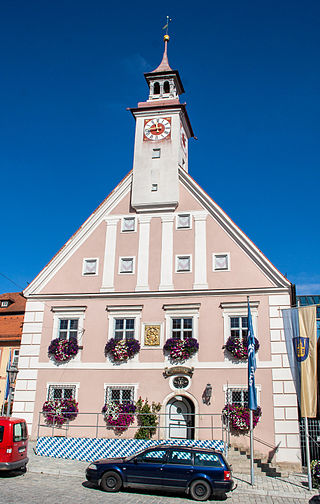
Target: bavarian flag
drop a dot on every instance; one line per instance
(300, 330)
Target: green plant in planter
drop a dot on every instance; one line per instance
(147, 418)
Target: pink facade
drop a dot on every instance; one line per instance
(177, 262)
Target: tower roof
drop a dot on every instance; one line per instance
(164, 65)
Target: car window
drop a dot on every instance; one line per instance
(180, 457)
(1, 433)
(206, 459)
(153, 457)
(19, 432)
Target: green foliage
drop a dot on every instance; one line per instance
(147, 418)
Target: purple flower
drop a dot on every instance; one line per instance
(63, 350)
(122, 350)
(59, 411)
(239, 417)
(181, 349)
(119, 416)
(239, 347)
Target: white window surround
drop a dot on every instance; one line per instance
(122, 260)
(121, 386)
(183, 257)
(66, 312)
(87, 260)
(124, 312)
(181, 215)
(234, 309)
(156, 153)
(15, 357)
(125, 220)
(149, 347)
(182, 311)
(242, 387)
(217, 254)
(62, 385)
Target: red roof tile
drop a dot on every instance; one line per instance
(17, 303)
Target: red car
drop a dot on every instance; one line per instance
(13, 444)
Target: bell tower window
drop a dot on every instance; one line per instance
(156, 88)
(166, 87)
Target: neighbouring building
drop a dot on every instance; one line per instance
(12, 307)
(160, 260)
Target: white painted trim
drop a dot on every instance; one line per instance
(121, 258)
(143, 253)
(190, 220)
(242, 386)
(135, 387)
(166, 282)
(109, 255)
(123, 218)
(85, 259)
(181, 390)
(235, 233)
(183, 256)
(89, 226)
(214, 255)
(200, 251)
(63, 384)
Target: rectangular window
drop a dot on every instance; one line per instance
(119, 394)
(239, 327)
(68, 328)
(154, 187)
(20, 432)
(153, 457)
(128, 224)
(126, 264)
(4, 304)
(221, 262)
(183, 263)
(238, 396)
(206, 460)
(15, 357)
(180, 457)
(124, 328)
(182, 328)
(156, 153)
(90, 267)
(60, 392)
(1, 433)
(183, 221)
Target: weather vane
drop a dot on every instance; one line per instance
(166, 26)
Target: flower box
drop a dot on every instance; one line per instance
(239, 417)
(238, 347)
(59, 412)
(119, 416)
(122, 350)
(63, 350)
(180, 350)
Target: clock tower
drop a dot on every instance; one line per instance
(161, 141)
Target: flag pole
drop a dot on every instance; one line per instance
(306, 433)
(251, 448)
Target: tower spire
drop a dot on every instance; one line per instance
(164, 65)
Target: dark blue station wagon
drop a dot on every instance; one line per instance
(200, 472)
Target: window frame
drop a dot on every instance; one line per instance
(121, 386)
(183, 256)
(183, 214)
(87, 259)
(155, 151)
(72, 312)
(238, 388)
(73, 385)
(125, 312)
(218, 254)
(182, 311)
(128, 217)
(121, 258)
(239, 309)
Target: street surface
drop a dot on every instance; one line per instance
(40, 488)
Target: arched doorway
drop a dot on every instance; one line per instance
(180, 418)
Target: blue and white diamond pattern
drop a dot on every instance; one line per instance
(91, 449)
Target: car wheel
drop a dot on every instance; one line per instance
(111, 481)
(200, 490)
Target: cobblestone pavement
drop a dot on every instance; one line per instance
(55, 481)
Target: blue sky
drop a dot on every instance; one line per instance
(70, 69)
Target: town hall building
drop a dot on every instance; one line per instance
(151, 288)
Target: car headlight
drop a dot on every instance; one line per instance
(93, 466)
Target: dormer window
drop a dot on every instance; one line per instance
(156, 88)
(166, 87)
(4, 303)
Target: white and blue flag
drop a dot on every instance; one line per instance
(6, 394)
(252, 365)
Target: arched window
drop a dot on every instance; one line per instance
(166, 87)
(156, 88)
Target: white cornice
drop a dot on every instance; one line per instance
(77, 238)
(269, 270)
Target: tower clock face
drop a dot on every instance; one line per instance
(157, 129)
